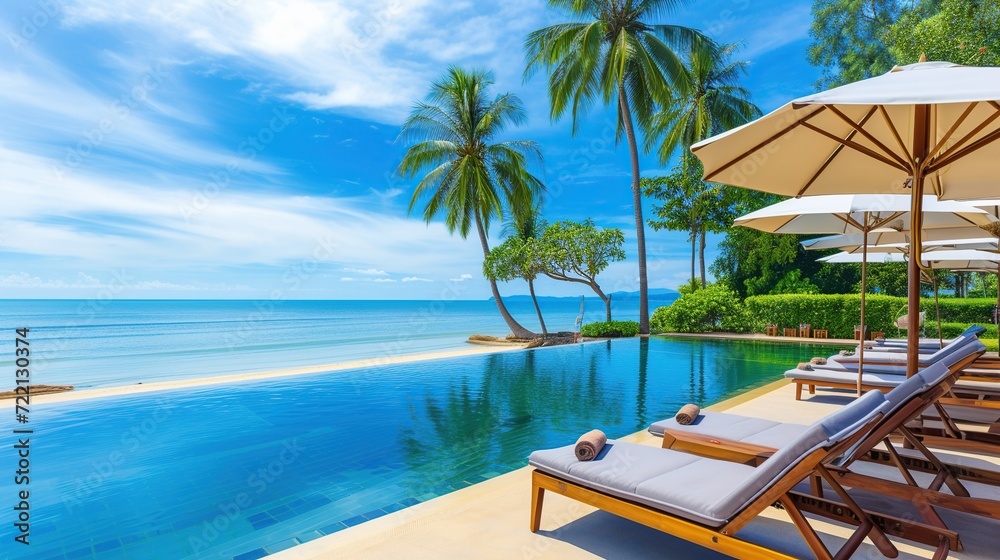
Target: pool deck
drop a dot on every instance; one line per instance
(490, 519)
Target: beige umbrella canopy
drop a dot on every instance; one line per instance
(849, 213)
(930, 126)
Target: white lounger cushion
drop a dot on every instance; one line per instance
(704, 490)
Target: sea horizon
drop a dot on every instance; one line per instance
(105, 343)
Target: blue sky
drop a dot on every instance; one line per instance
(246, 149)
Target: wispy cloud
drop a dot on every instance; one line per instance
(461, 278)
(334, 54)
(416, 279)
(367, 271)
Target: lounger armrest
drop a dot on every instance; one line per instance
(714, 448)
(971, 403)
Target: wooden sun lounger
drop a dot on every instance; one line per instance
(555, 473)
(708, 443)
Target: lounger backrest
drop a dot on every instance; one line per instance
(827, 431)
(952, 346)
(975, 330)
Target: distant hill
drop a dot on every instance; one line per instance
(655, 294)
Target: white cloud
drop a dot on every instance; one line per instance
(461, 278)
(367, 271)
(383, 280)
(416, 279)
(369, 56)
(347, 279)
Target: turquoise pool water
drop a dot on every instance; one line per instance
(242, 471)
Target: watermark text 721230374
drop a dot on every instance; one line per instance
(22, 435)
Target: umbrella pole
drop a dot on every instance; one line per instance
(921, 142)
(937, 310)
(864, 290)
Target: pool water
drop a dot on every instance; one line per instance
(245, 470)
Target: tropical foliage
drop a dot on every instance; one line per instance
(713, 308)
(857, 39)
(471, 177)
(616, 55)
(579, 251)
(567, 251)
(610, 329)
(692, 205)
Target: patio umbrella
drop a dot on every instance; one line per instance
(934, 238)
(993, 207)
(967, 259)
(862, 214)
(930, 123)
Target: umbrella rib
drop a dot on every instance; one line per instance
(858, 147)
(895, 134)
(829, 160)
(982, 142)
(858, 127)
(954, 127)
(946, 156)
(777, 135)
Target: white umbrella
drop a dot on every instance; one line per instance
(853, 243)
(962, 259)
(849, 213)
(932, 123)
(931, 238)
(968, 259)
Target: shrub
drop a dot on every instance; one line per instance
(840, 313)
(713, 308)
(610, 329)
(951, 330)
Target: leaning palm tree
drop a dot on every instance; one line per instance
(616, 56)
(471, 177)
(713, 103)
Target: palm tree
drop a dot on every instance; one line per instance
(616, 56)
(527, 226)
(471, 177)
(713, 103)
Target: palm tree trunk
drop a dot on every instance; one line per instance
(701, 256)
(694, 253)
(512, 324)
(640, 226)
(538, 310)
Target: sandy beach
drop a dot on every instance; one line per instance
(272, 374)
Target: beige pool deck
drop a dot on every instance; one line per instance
(490, 519)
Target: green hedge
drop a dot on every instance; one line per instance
(951, 330)
(610, 329)
(838, 314)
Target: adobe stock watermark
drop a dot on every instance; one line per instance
(371, 27)
(291, 280)
(248, 149)
(32, 24)
(120, 110)
(256, 484)
(129, 442)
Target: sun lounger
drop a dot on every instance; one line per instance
(708, 501)
(883, 377)
(897, 358)
(734, 437)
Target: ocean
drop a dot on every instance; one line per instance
(101, 343)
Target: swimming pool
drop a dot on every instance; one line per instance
(244, 470)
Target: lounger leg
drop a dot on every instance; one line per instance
(868, 527)
(810, 536)
(812, 389)
(537, 494)
(798, 391)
